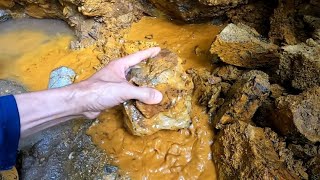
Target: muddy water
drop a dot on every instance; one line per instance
(183, 154)
(31, 48)
(29, 54)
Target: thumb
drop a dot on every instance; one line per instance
(144, 94)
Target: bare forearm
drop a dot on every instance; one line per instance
(43, 109)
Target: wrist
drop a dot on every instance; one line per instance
(78, 95)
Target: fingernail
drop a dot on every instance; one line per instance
(158, 96)
(157, 52)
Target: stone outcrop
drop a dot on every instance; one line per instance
(242, 46)
(298, 116)
(286, 26)
(243, 151)
(243, 99)
(255, 14)
(300, 66)
(192, 10)
(165, 73)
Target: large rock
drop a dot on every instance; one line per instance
(286, 25)
(166, 74)
(242, 46)
(300, 66)
(242, 151)
(255, 14)
(191, 10)
(298, 116)
(243, 99)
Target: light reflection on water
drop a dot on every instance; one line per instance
(21, 36)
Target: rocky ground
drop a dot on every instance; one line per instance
(263, 97)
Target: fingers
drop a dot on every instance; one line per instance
(144, 94)
(137, 57)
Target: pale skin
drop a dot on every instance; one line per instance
(105, 89)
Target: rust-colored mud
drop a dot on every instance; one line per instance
(183, 154)
(37, 54)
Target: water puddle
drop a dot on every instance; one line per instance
(31, 48)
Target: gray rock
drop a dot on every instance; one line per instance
(4, 15)
(10, 87)
(65, 153)
(61, 77)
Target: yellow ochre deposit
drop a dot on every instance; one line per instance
(182, 154)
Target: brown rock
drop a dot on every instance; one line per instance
(227, 72)
(286, 27)
(256, 14)
(298, 116)
(208, 93)
(242, 46)
(192, 10)
(6, 3)
(300, 66)
(242, 151)
(314, 167)
(243, 99)
(314, 23)
(166, 74)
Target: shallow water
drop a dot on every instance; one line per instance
(31, 48)
(22, 36)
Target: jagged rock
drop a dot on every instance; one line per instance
(242, 46)
(165, 73)
(243, 99)
(4, 15)
(298, 116)
(242, 151)
(314, 23)
(314, 167)
(60, 77)
(227, 72)
(300, 66)
(192, 10)
(256, 14)
(286, 27)
(304, 152)
(207, 90)
(6, 3)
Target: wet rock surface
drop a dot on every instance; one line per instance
(298, 116)
(189, 10)
(165, 73)
(243, 99)
(286, 24)
(242, 46)
(63, 152)
(243, 151)
(300, 66)
(255, 14)
(10, 87)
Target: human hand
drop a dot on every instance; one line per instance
(109, 87)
